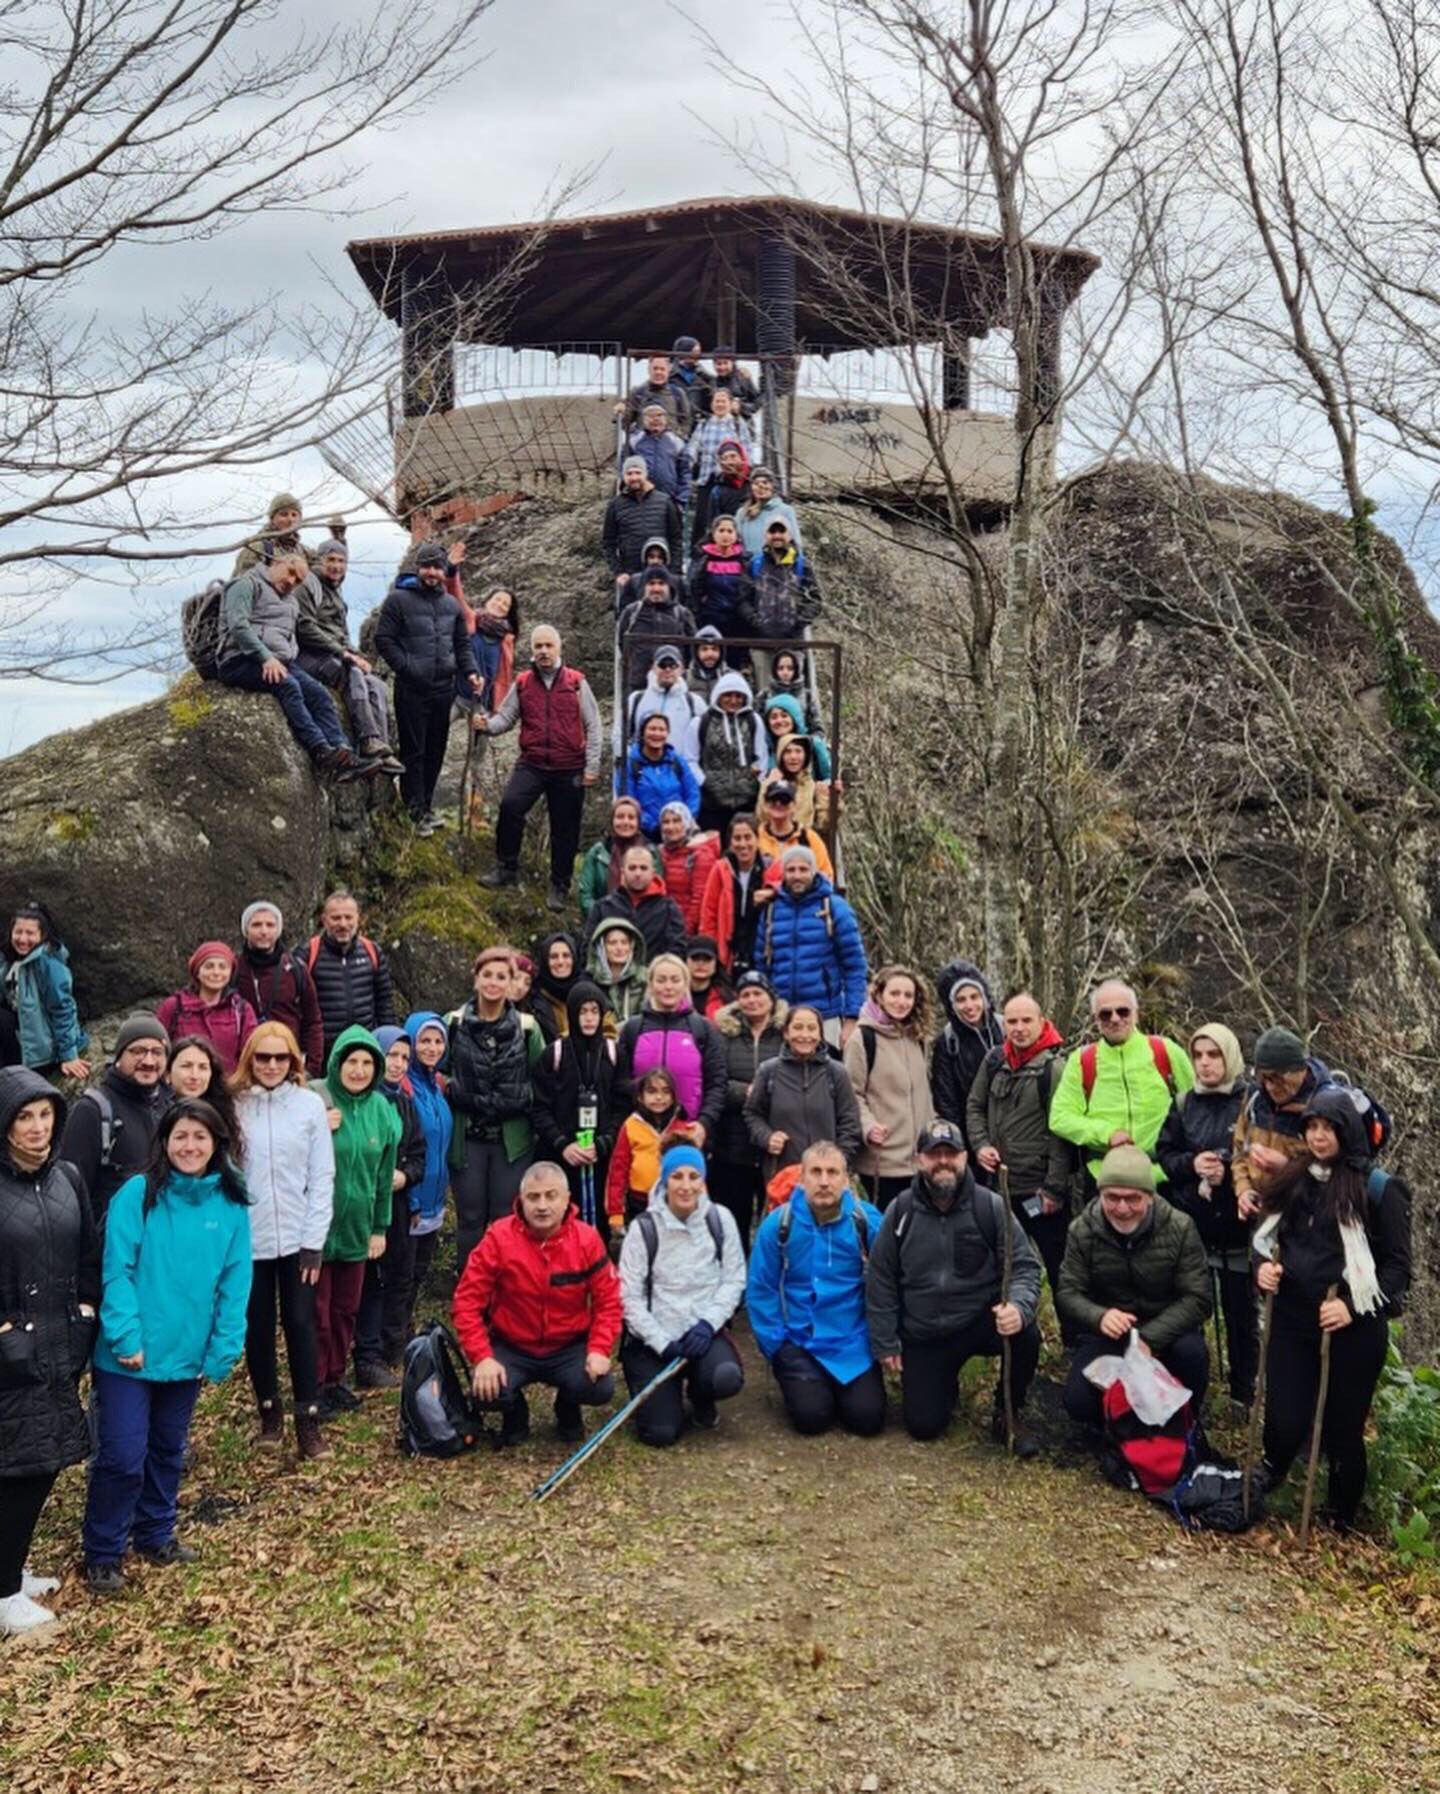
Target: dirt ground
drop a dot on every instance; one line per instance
(748, 1611)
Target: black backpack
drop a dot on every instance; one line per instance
(650, 1233)
(438, 1419)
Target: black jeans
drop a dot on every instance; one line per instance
(1292, 1383)
(1047, 1234)
(930, 1372)
(422, 722)
(563, 1371)
(279, 1279)
(564, 799)
(383, 1323)
(1240, 1312)
(814, 1400)
(714, 1378)
(1187, 1358)
(21, 1500)
(736, 1187)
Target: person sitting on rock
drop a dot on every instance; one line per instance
(667, 460)
(38, 991)
(1133, 1265)
(805, 1299)
(1118, 1090)
(350, 972)
(538, 1302)
(559, 760)
(280, 539)
(934, 1296)
(423, 637)
(642, 900)
(638, 517)
(323, 632)
(275, 982)
(110, 1128)
(682, 1276)
(209, 1007)
(260, 650)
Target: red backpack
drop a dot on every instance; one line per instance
(1090, 1061)
(1149, 1458)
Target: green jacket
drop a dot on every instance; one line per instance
(1129, 1094)
(595, 874)
(1010, 1110)
(1159, 1273)
(365, 1146)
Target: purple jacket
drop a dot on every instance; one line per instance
(685, 1045)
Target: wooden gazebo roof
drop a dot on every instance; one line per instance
(640, 277)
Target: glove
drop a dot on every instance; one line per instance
(309, 1258)
(697, 1342)
(675, 1349)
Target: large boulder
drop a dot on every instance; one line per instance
(150, 830)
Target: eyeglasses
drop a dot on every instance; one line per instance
(271, 1059)
(1121, 1014)
(146, 1052)
(1125, 1198)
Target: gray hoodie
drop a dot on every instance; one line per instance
(689, 1284)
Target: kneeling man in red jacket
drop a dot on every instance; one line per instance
(539, 1302)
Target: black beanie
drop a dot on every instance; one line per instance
(1278, 1049)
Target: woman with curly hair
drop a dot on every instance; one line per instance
(885, 1057)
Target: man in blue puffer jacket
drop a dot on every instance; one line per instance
(809, 946)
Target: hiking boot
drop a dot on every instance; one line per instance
(105, 1579)
(559, 898)
(374, 1373)
(391, 764)
(500, 878)
(705, 1415)
(436, 820)
(326, 1407)
(35, 1586)
(344, 1399)
(515, 1423)
(272, 1425)
(171, 1552)
(425, 826)
(1027, 1446)
(569, 1423)
(308, 1440)
(19, 1614)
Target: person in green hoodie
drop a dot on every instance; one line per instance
(617, 965)
(176, 1288)
(1118, 1090)
(366, 1130)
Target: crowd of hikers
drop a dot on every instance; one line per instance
(699, 1098)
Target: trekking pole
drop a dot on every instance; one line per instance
(1317, 1428)
(1217, 1298)
(467, 775)
(1257, 1404)
(1008, 1267)
(543, 1491)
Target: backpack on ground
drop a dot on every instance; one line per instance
(1090, 1065)
(438, 1418)
(1139, 1455)
(200, 629)
(1212, 1499)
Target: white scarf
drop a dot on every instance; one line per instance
(1366, 1296)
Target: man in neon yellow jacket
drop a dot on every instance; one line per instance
(1118, 1090)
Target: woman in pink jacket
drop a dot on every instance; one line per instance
(210, 1008)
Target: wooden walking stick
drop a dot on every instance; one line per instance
(1257, 1405)
(1318, 1427)
(1006, 1223)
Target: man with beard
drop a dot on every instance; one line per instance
(110, 1131)
(933, 1295)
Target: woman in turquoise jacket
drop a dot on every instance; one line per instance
(176, 1286)
(39, 991)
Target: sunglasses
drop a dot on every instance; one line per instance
(1114, 1015)
(271, 1059)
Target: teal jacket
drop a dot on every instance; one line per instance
(365, 1143)
(42, 996)
(177, 1281)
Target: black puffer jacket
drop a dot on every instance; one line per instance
(422, 636)
(135, 1112)
(644, 627)
(630, 522)
(745, 1053)
(490, 1070)
(353, 986)
(960, 1051)
(49, 1265)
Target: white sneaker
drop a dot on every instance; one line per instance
(18, 1613)
(37, 1585)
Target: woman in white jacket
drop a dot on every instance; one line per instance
(682, 1275)
(290, 1174)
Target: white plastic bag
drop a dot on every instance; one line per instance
(1152, 1391)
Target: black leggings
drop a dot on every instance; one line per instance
(280, 1278)
(715, 1377)
(21, 1499)
(1292, 1383)
(736, 1187)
